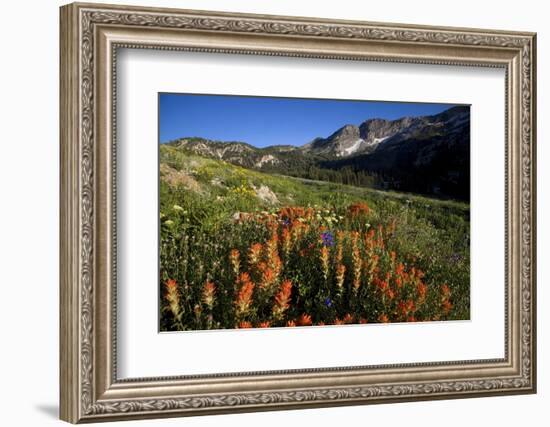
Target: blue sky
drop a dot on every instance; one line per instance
(264, 121)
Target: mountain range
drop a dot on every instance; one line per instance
(425, 154)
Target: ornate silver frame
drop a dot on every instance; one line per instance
(90, 36)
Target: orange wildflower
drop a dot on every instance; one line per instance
(371, 267)
(291, 323)
(348, 318)
(381, 284)
(380, 237)
(268, 278)
(356, 260)
(208, 294)
(172, 296)
(292, 212)
(271, 245)
(243, 277)
(406, 307)
(266, 324)
(235, 259)
(400, 269)
(244, 325)
(272, 256)
(358, 209)
(325, 261)
(282, 299)
(287, 242)
(447, 306)
(340, 275)
(244, 296)
(383, 318)
(422, 290)
(304, 320)
(445, 290)
(402, 308)
(254, 254)
(297, 230)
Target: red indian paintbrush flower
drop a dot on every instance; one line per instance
(268, 278)
(422, 290)
(324, 256)
(254, 254)
(172, 296)
(286, 238)
(445, 299)
(208, 294)
(445, 290)
(292, 212)
(272, 267)
(340, 275)
(406, 307)
(358, 209)
(297, 230)
(447, 306)
(282, 299)
(244, 295)
(383, 318)
(304, 320)
(380, 237)
(244, 325)
(356, 261)
(348, 318)
(340, 235)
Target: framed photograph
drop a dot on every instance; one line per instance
(266, 212)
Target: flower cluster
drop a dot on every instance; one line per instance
(310, 266)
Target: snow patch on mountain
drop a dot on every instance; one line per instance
(377, 141)
(353, 148)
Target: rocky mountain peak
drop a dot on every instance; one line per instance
(343, 142)
(347, 131)
(372, 135)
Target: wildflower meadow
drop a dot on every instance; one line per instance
(312, 254)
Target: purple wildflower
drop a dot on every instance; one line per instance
(328, 238)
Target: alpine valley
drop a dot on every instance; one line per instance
(425, 155)
(370, 224)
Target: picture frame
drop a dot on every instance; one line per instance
(91, 36)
